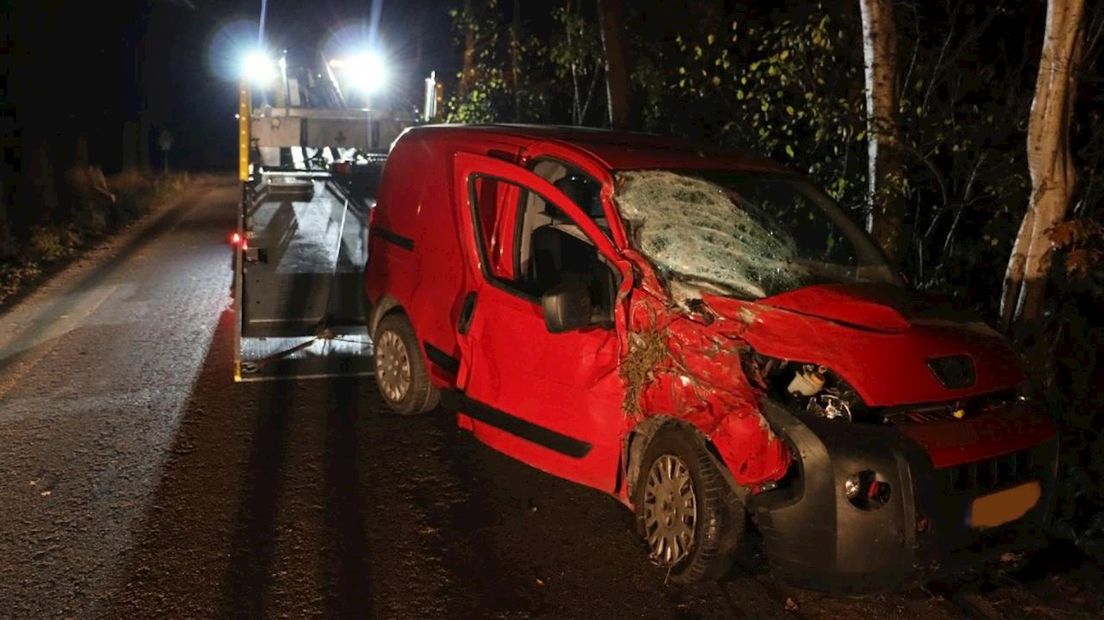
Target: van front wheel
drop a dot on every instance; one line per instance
(400, 375)
(686, 510)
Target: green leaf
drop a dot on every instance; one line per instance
(789, 150)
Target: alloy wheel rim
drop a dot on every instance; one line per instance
(670, 510)
(392, 366)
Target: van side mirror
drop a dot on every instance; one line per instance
(567, 307)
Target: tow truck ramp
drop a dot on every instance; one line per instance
(309, 176)
(299, 261)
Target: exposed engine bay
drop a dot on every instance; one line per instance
(807, 389)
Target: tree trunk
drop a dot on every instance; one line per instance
(576, 113)
(467, 71)
(611, 14)
(885, 219)
(1050, 163)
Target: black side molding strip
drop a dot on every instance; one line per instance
(442, 359)
(544, 437)
(390, 236)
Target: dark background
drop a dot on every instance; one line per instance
(72, 68)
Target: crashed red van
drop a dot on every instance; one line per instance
(705, 336)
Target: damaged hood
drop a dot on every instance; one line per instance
(864, 306)
(890, 348)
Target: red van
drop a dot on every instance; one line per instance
(705, 336)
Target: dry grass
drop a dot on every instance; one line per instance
(95, 215)
(647, 350)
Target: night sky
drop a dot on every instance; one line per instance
(194, 55)
(74, 67)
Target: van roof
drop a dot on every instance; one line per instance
(618, 150)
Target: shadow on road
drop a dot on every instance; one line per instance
(261, 498)
(347, 581)
(247, 577)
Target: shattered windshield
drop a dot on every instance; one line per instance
(746, 235)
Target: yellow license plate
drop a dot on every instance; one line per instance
(1004, 506)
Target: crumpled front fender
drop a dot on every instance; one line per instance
(689, 369)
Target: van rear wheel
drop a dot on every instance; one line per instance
(401, 377)
(686, 510)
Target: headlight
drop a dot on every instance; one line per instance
(829, 406)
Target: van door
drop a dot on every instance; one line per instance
(552, 400)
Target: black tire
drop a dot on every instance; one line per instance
(720, 516)
(419, 396)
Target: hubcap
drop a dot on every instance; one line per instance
(392, 366)
(670, 510)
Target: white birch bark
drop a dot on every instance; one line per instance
(1050, 162)
(885, 219)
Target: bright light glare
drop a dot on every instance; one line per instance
(365, 72)
(259, 68)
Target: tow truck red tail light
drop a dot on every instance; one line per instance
(239, 240)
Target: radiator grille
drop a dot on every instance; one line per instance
(990, 474)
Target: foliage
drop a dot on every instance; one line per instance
(53, 242)
(50, 246)
(576, 56)
(790, 86)
(492, 96)
(1079, 243)
(968, 182)
(789, 90)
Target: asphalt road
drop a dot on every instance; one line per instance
(137, 480)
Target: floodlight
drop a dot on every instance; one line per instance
(363, 72)
(258, 68)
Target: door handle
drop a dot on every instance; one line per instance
(467, 308)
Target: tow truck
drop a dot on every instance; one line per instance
(308, 164)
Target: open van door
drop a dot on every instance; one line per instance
(550, 399)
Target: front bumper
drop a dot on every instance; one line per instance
(814, 537)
